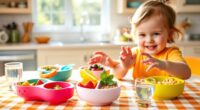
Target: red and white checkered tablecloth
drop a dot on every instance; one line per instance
(190, 100)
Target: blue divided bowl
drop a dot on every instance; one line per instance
(62, 74)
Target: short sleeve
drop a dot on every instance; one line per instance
(174, 54)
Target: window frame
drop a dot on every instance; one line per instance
(69, 28)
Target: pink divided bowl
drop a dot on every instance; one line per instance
(45, 92)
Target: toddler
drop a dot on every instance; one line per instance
(153, 27)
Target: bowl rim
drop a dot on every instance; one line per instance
(45, 81)
(46, 71)
(176, 78)
(71, 86)
(118, 87)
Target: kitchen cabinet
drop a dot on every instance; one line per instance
(60, 56)
(187, 6)
(180, 6)
(128, 6)
(192, 51)
(17, 8)
(189, 48)
(78, 56)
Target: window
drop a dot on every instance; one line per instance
(70, 15)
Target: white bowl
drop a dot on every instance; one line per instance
(98, 96)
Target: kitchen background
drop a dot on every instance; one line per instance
(115, 20)
(118, 13)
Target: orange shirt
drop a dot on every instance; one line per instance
(169, 54)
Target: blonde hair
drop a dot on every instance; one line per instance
(152, 7)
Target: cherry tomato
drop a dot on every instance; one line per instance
(39, 82)
(87, 85)
(90, 85)
(81, 85)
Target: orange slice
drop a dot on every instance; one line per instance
(48, 75)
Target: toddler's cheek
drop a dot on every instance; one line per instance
(140, 43)
(141, 47)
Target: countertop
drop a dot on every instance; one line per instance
(57, 45)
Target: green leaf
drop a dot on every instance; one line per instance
(103, 75)
(106, 79)
(102, 82)
(111, 83)
(110, 77)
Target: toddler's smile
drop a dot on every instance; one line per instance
(151, 47)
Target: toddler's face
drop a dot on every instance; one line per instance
(152, 34)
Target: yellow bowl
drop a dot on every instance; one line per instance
(165, 89)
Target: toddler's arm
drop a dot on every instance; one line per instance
(178, 69)
(104, 59)
(127, 59)
(119, 67)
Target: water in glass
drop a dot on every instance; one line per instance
(144, 93)
(13, 71)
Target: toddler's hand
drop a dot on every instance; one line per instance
(102, 58)
(127, 58)
(153, 62)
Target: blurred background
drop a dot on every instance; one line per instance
(67, 24)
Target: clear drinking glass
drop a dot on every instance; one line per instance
(13, 72)
(144, 92)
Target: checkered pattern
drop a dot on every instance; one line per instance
(190, 99)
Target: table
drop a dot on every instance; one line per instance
(190, 99)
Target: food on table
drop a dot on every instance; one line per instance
(49, 71)
(166, 81)
(94, 91)
(96, 67)
(27, 83)
(90, 81)
(57, 87)
(107, 81)
(87, 85)
(55, 92)
(87, 76)
(39, 82)
(50, 74)
(56, 72)
(104, 92)
(49, 67)
(166, 87)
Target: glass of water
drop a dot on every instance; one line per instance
(13, 72)
(144, 92)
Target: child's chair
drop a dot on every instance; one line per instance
(193, 63)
